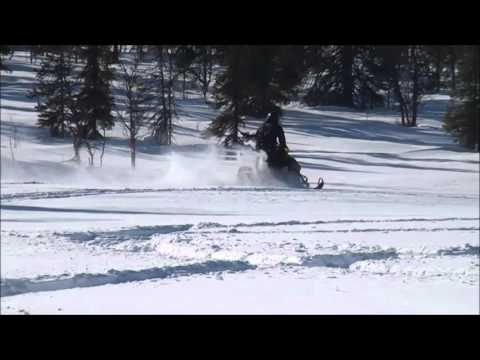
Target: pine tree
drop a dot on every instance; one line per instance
(94, 101)
(260, 62)
(116, 49)
(201, 68)
(184, 57)
(164, 75)
(333, 70)
(347, 86)
(462, 120)
(346, 75)
(273, 73)
(452, 65)
(138, 102)
(256, 80)
(290, 71)
(231, 94)
(55, 91)
(5, 50)
(318, 59)
(410, 73)
(372, 86)
(438, 55)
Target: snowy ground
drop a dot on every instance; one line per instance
(395, 230)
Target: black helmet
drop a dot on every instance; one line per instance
(273, 116)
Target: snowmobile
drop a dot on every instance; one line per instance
(263, 174)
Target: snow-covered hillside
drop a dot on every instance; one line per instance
(395, 230)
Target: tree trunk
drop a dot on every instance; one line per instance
(133, 143)
(438, 70)
(415, 87)
(115, 53)
(62, 98)
(453, 63)
(204, 80)
(204, 91)
(76, 146)
(103, 148)
(235, 97)
(160, 127)
(183, 85)
(398, 93)
(347, 75)
(234, 135)
(170, 90)
(414, 114)
(407, 116)
(133, 151)
(140, 52)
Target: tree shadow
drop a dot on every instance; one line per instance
(16, 108)
(17, 92)
(362, 162)
(307, 165)
(24, 132)
(314, 125)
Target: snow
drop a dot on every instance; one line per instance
(394, 231)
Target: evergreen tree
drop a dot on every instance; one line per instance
(202, 59)
(116, 50)
(184, 56)
(94, 101)
(260, 74)
(231, 94)
(273, 73)
(415, 80)
(255, 81)
(54, 91)
(164, 75)
(290, 71)
(138, 102)
(346, 59)
(452, 65)
(5, 50)
(410, 73)
(333, 70)
(462, 120)
(345, 75)
(322, 88)
(372, 86)
(438, 56)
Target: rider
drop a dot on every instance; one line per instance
(271, 139)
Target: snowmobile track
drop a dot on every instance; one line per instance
(11, 287)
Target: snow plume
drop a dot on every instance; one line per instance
(179, 166)
(198, 166)
(209, 165)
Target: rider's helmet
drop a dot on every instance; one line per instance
(273, 117)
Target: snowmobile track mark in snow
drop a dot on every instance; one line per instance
(170, 211)
(11, 287)
(338, 221)
(345, 260)
(39, 195)
(137, 233)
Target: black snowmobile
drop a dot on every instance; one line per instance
(280, 166)
(264, 173)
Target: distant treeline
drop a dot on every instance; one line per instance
(75, 83)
